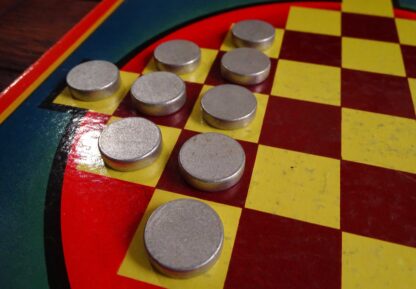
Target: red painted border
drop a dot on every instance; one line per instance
(30, 75)
(405, 14)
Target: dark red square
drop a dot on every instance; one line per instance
(369, 27)
(378, 203)
(177, 119)
(171, 180)
(377, 93)
(276, 252)
(214, 77)
(409, 58)
(309, 47)
(302, 126)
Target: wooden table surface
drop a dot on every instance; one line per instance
(29, 27)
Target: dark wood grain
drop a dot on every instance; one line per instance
(29, 27)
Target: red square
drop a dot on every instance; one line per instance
(369, 27)
(302, 126)
(172, 180)
(409, 58)
(215, 78)
(313, 48)
(378, 203)
(99, 216)
(276, 252)
(177, 119)
(377, 93)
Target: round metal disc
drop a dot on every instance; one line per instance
(245, 66)
(183, 238)
(131, 143)
(211, 161)
(93, 80)
(253, 33)
(177, 56)
(158, 93)
(228, 106)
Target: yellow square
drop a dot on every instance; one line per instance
(136, 265)
(107, 105)
(198, 75)
(306, 20)
(249, 133)
(89, 158)
(412, 85)
(369, 7)
(378, 139)
(407, 31)
(296, 185)
(372, 56)
(272, 52)
(307, 81)
(370, 263)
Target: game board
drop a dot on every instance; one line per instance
(328, 196)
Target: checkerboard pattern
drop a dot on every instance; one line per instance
(327, 199)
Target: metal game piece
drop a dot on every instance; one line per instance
(158, 93)
(130, 144)
(211, 161)
(253, 33)
(177, 56)
(183, 238)
(245, 66)
(93, 80)
(228, 106)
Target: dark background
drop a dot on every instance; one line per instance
(29, 27)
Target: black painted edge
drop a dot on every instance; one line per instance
(403, 6)
(54, 254)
